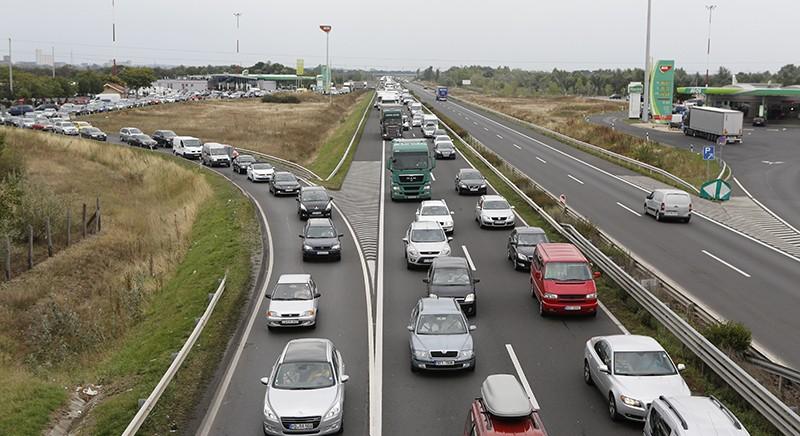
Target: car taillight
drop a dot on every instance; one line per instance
(662, 206)
(690, 207)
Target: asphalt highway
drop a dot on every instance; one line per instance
(733, 276)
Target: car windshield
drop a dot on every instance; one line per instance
(134, 131)
(444, 324)
(496, 205)
(285, 177)
(67, 124)
(91, 130)
(303, 375)
(410, 161)
(141, 137)
(434, 210)
(567, 271)
(427, 235)
(261, 166)
(471, 175)
(643, 363)
(531, 238)
(320, 232)
(450, 277)
(191, 143)
(246, 158)
(315, 195)
(448, 145)
(217, 151)
(168, 133)
(292, 291)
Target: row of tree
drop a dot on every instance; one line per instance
(516, 82)
(39, 83)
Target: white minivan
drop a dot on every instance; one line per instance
(187, 146)
(429, 125)
(669, 204)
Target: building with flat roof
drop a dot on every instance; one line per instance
(769, 100)
(187, 84)
(261, 81)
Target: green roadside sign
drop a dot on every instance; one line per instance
(662, 82)
(716, 190)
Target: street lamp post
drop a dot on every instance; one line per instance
(646, 107)
(237, 15)
(327, 85)
(114, 38)
(708, 46)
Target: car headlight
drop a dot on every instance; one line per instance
(631, 401)
(446, 251)
(592, 296)
(395, 188)
(550, 296)
(420, 354)
(310, 312)
(463, 185)
(469, 298)
(302, 206)
(334, 412)
(306, 247)
(269, 414)
(272, 313)
(336, 246)
(465, 354)
(426, 187)
(521, 256)
(483, 185)
(412, 251)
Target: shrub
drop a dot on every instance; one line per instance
(730, 335)
(281, 97)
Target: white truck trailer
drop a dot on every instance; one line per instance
(712, 122)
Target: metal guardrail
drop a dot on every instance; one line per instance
(568, 139)
(150, 402)
(771, 407)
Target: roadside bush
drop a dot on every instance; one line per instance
(10, 161)
(55, 334)
(281, 97)
(730, 335)
(28, 203)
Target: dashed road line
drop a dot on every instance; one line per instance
(499, 136)
(469, 258)
(575, 178)
(521, 376)
(628, 209)
(725, 263)
(518, 147)
(541, 160)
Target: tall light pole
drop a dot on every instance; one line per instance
(646, 107)
(708, 46)
(10, 70)
(327, 86)
(114, 38)
(237, 15)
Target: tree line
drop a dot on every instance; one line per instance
(510, 82)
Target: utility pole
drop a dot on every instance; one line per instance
(327, 85)
(646, 107)
(10, 70)
(53, 60)
(114, 38)
(708, 46)
(237, 15)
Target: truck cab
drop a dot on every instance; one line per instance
(503, 409)
(411, 164)
(441, 93)
(391, 121)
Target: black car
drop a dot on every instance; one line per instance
(20, 110)
(164, 137)
(759, 122)
(142, 140)
(93, 133)
(470, 181)
(615, 97)
(284, 182)
(321, 240)
(521, 244)
(451, 277)
(241, 162)
(313, 202)
(444, 150)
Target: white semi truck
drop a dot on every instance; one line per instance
(713, 122)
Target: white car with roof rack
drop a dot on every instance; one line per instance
(691, 416)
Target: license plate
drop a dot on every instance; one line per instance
(301, 426)
(322, 253)
(290, 321)
(316, 213)
(572, 308)
(427, 260)
(445, 153)
(473, 189)
(445, 362)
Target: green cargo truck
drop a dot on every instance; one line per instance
(391, 121)
(411, 164)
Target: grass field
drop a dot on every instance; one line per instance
(292, 131)
(111, 309)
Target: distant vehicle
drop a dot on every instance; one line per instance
(241, 162)
(691, 416)
(416, 119)
(503, 409)
(260, 171)
(81, 124)
(107, 98)
(214, 154)
(164, 137)
(125, 133)
(436, 211)
(713, 122)
(676, 120)
(188, 147)
(284, 182)
(305, 390)
(439, 336)
(451, 277)
(562, 281)
(430, 123)
(425, 241)
(415, 107)
(410, 164)
(314, 202)
(470, 181)
(444, 150)
(294, 302)
(94, 133)
(391, 121)
(20, 110)
(321, 240)
(759, 122)
(441, 93)
(494, 211)
(142, 140)
(615, 97)
(668, 204)
(65, 128)
(631, 371)
(521, 245)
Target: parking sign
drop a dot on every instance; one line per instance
(708, 152)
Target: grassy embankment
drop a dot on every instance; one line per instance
(566, 115)
(113, 308)
(635, 318)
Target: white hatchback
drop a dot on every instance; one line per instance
(438, 212)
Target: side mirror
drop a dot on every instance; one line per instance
(410, 328)
(513, 207)
(452, 212)
(472, 327)
(405, 240)
(345, 377)
(341, 235)
(317, 295)
(297, 199)
(265, 381)
(538, 275)
(449, 238)
(597, 274)
(301, 235)
(681, 367)
(603, 369)
(426, 280)
(267, 296)
(476, 280)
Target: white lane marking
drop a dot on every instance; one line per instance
(613, 318)
(628, 209)
(466, 117)
(469, 258)
(475, 123)
(433, 178)
(486, 128)
(725, 263)
(763, 206)
(499, 136)
(518, 147)
(541, 160)
(376, 392)
(521, 375)
(574, 178)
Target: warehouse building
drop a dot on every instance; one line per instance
(769, 100)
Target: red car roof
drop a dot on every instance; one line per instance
(560, 252)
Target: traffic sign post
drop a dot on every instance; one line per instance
(708, 154)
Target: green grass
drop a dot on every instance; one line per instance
(223, 237)
(331, 152)
(31, 402)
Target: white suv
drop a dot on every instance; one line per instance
(438, 212)
(691, 416)
(425, 241)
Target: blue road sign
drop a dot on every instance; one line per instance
(708, 152)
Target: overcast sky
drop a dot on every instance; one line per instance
(747, 35)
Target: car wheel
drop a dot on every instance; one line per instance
(587, 375)
(658, 216)
(413, 367)
(542, 312)
(687, 219)
(645, 212)
(472, 368)
(612, 407)
(313, 326)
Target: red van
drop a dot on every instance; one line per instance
(503, 409)
(562, 280)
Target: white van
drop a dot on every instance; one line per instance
(429, 125)
(415, 107)
(187, 146)
(669, 204)
(215, 154)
